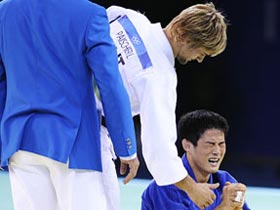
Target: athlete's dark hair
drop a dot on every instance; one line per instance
(193, 124)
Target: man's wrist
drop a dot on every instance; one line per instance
(186, 184)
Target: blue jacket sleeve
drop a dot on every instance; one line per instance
(101, 57)
(2, 97)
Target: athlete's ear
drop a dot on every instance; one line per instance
(186, 145)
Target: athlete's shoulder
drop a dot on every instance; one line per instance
(116, 11)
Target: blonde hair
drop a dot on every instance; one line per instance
(202, 26)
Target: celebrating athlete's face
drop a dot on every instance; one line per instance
(207, 155)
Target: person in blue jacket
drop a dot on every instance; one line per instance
(50, 126)
(202, 133)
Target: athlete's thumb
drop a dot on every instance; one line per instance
(214, 186)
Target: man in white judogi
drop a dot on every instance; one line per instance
(146, 56)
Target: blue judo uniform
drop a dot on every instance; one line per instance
(171, 197)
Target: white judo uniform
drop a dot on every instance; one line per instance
(146, 64)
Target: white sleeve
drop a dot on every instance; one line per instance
(157, 100)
